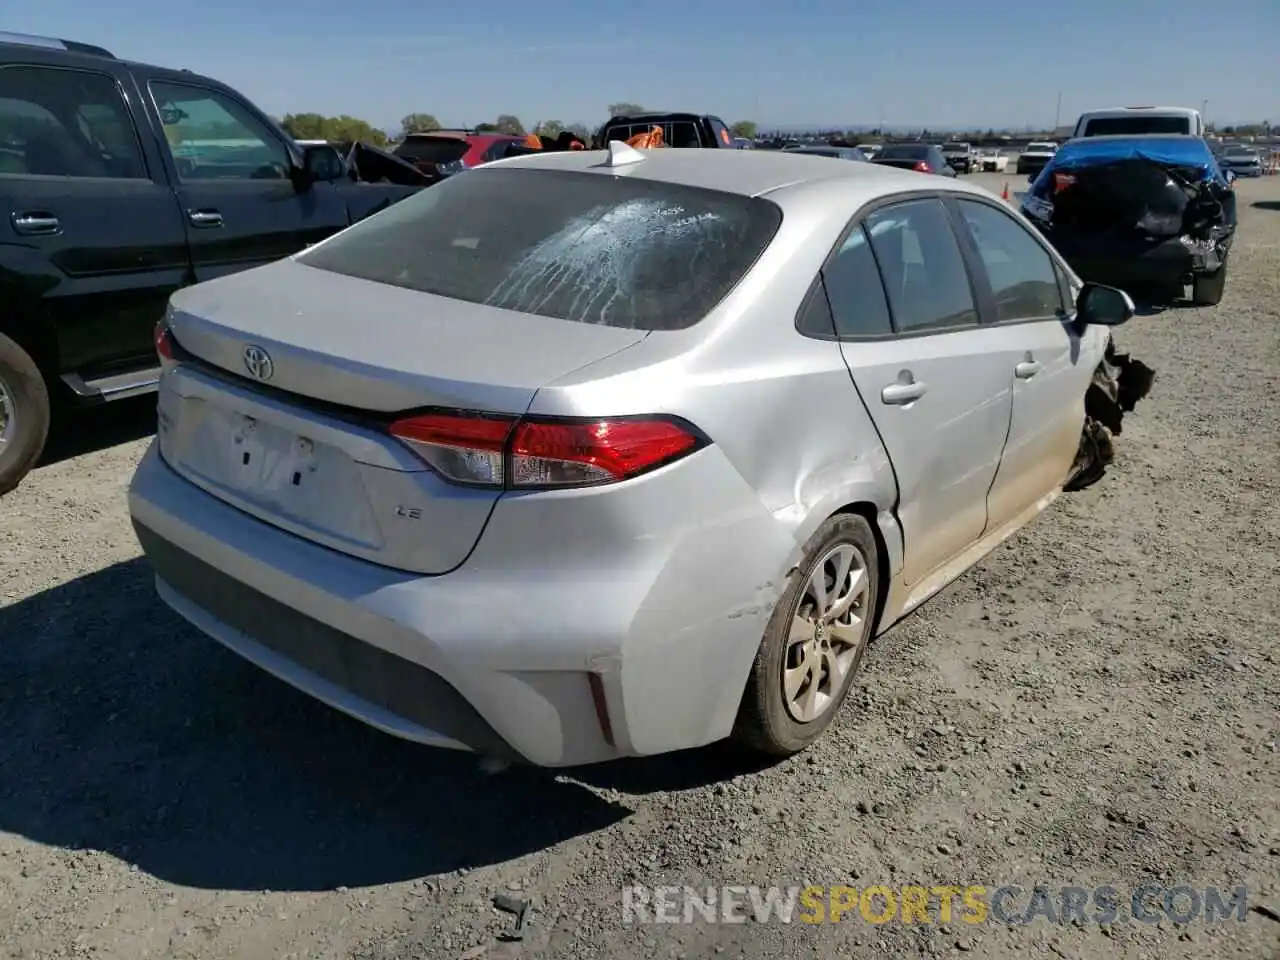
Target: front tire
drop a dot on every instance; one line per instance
(24, 414)
(814, 642)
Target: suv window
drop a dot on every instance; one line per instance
(722, 132)
(214, 137)
(858, 304)
(675, 133)
(1023, 277)
(497, 150)
(428, 149)
(66, 123)
(618, 251)
(924, 273)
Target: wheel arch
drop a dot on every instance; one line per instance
(887, 548)
(35, 336)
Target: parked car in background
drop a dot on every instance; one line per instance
(1152, 212)
(678, 129)
(920, 157)
(441, 154)
(992, 161)
(1033, 159)
(470, 519)
(840, 153)
(1139, 121)
(121, 183)
(960, 156)
(870, 149)
(1243, 161)
(744, 143)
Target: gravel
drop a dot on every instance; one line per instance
(1095, 703)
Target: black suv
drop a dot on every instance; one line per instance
(119, 183)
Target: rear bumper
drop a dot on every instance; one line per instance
(486, 658)
(1121, 261)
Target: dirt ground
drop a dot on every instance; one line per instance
(1098, 702)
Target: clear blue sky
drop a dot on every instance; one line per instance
(930, 62)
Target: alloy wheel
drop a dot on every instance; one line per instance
(826, 633)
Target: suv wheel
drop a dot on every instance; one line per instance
(24, 414)
(814, 641)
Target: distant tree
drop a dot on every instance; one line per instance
(509, 124)
(419, 123)
(623, 109)
(549, 128)
(580, 131)
(486, 127)
(305, 126)
(744, 128)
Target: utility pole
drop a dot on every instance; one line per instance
(1057, 114)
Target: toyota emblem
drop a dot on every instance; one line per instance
(258, 362)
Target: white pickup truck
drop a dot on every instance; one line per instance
(1140, 121)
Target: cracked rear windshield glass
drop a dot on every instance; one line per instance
(613, 250)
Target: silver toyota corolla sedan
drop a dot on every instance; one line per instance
(600, 454)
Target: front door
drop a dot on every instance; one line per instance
(240, 203)
(1047, 367)
(905, 312)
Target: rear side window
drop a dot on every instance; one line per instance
(858, 304)
(66, 123)
(617, 251)
(432, 149)
(924, 273)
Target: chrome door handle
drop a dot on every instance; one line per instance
(898, 394)
(204, 218)
(39, 224)
(1026, 369)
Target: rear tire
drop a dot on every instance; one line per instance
(1207, 288)
(808, 658)
(24, 414)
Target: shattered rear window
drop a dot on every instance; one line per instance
(613, 250)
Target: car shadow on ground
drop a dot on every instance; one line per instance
(1267, 204)
(78, 431)
(124, 730)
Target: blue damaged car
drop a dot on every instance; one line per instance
(1151, 212)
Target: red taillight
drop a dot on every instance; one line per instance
(163, 341)
(531, 453)
(921, 167)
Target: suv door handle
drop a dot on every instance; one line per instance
(1026, 369)
(204, 218)
(898, 394)
(38, 223)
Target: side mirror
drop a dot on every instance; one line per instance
(1103, 306)
(1229, 176)
(321, 163)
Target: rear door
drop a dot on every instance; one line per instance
(240, 205)
(89, 227)
(1048, 365)
(906, 313)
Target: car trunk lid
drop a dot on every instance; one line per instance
(297, 435)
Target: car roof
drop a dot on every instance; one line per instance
(746, 172)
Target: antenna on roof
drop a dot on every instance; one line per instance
(621, 155)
